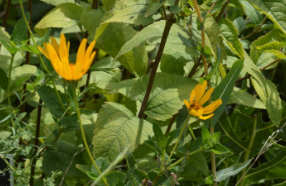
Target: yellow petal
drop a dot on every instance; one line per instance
(206, 117)
(201, 91)
(43, 52)
(55, 45)
(187, 104)
(207, 96)
(192, 96)
(77, 71)
(81, 51)
(193, 112)
(54, 58)
(87, 64)
(88, 52)
(63, 52)
(212, 107)
(196, 112)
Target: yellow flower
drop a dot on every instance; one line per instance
(59, 57)
(196, 106)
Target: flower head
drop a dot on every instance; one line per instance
(59, 57)
(198, 98)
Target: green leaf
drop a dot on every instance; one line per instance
(10, 48)
(44, 39)
(91, 19)
(213, 33)
(275, 10)
(199, 161)
(129, 11)
(116, 128)
(4, 35)
(114, 37)
(231, 171)
(277, 53)
(224, 89)
(276, 45)
(108, 4)
(166, 96)
(61, 157)
(251, 12)
(273, 35)
(20, 33)
(62, 16)
(155, 32)
(253, 70)
(274, 169)
(271, 100)
(20, 75)
(265, 59)
(49, 97)
(57, 2)
(243, 98)
(154, 5)
(3, 79)
(230, 34)
(31, 48)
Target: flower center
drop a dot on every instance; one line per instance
(196, 106)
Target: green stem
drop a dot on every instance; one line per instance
(192, 132)
(39, 56)
(247, 152)
(181, 134)
(9, 85)
(82, 132)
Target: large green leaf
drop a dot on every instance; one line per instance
(20, 33)
(116, 128)
(108, 4)
(273, 35)
(62, 16)
(230, 33)
(57, 2)
(243, 98)
(129, 11)
(275, 10)
(91, 19)
(213, 33)
(20, 75)
(49, 97)
(271, 100)
(251, 12)
(253, 70)
(4, 35)
(274, 169)
(114, 37)
(153, 7)
(230, 171)
(166, 96)
(61, 157)
(225, 88)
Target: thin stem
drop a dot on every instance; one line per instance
(82, 132)
(155, 66)
(255, 30)
(249, 75)
(167, 29)
(39, 56)
(181, 134)
(7, 13)
(170, 124)
(221, 11)
(180, 160)
(94, 4)
(33, 165)
(27, 56)
(9, 85)
(247, 152)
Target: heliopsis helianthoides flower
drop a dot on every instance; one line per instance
(59, 57)
(198, 98)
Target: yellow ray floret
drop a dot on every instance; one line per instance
(198, 98)
(58, 54)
